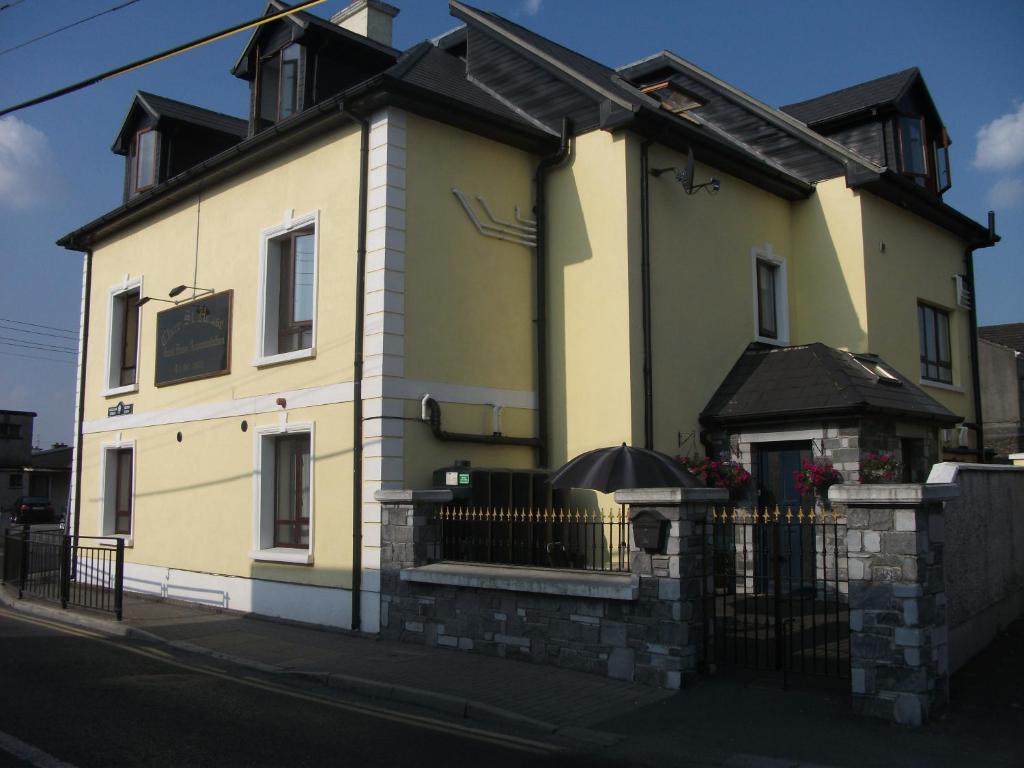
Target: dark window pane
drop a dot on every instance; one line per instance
(145, 167)
(767, 318)
(942, 175)
(936, 357)
(291, 493)
(270, 72)
(289, 81)
(912, 146)
(130, 338)
(123, 492)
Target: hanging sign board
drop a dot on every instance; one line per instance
(193, 340)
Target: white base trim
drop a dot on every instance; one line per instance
(329, 606)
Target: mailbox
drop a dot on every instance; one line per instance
(648, 528)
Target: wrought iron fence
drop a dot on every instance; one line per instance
(582, 539)
(776, 591)
(80, 571)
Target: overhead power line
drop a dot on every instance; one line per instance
(161, 56)
(15, 329)
(65, 361)
(7, 341)
(38, 325)
(67, 26)
(11, 4)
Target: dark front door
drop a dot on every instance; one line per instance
(776, 489)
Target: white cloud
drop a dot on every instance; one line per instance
(1006, 194)
(532, 7)
(28, 171)
(1001, 142)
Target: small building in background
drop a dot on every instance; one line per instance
(49, 476)
(1001, 369)
(15, 454)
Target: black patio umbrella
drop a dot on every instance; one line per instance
(611, 469)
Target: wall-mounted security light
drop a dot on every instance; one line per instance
(685, 177)
(180, 289)
(147, 299)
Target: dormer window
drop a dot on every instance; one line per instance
(943, 178)
(145, 151)
(278, 83)
(913, 160)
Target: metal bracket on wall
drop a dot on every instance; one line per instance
(521, 231)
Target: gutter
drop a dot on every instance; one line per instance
(547, 164)
(80, 414)
(357, 373)
(645, 281)
(979, 422)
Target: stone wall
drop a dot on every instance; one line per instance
(644, 626)
(984, 531)
(899, 652)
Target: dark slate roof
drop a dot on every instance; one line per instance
(1008, 335)
(857, 98)
(160, 107)
(815, 380)
(433, 69)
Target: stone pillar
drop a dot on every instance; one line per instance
(407, 539)
(899, 637)
(671, 579)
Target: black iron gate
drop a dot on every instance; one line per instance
(79, 571)
(776, 593)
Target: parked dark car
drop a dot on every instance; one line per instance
(33, 510)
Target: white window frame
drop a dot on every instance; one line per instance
(766, 254)
(108, 490)
(115, 321)
(263, 548)
(269, 281)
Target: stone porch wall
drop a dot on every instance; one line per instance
(644, 625)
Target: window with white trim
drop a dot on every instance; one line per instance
(288, 297)
(123, 338)
(933, 337)
(118, 490)
(283, 513)
(771, 307)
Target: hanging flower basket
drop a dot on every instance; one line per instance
(813, 480)
(879, 468)
(715, 473)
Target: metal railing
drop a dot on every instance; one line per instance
(776, 589)
(79, 571)
(591, 540)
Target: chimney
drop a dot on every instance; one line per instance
(369, 18)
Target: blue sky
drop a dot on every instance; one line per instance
(57, 171)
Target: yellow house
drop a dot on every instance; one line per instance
(491, 248)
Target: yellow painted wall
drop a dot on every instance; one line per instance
(702, 288)
(194, 499)
(469, 299)
(230, 219)
(828, 300)
(919, 263)
(593, 271)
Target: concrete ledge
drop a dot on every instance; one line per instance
(545, 581)
(897, 494)
(413, 497)
(655, 496)
(947, 471)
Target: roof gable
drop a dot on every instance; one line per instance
(1008, 335)
(815, 380)
(160, 108)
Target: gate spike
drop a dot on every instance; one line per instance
(789, 515)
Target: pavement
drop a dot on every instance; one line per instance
(714, 722)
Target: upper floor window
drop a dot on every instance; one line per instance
(288, 271)
(278, 84)
(913, 160)
(771, 314)
(145, 155)
(943, 179)
(936, 357)
(123, 340)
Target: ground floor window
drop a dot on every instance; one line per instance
(118, 489)
(283, 492)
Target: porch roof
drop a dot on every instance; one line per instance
(815, 380)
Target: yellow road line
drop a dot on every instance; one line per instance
(419, 721)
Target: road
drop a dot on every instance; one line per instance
(71, 697)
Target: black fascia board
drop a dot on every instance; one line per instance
(895, 188)
(843, 411)
(379, 90)
(681, 136)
